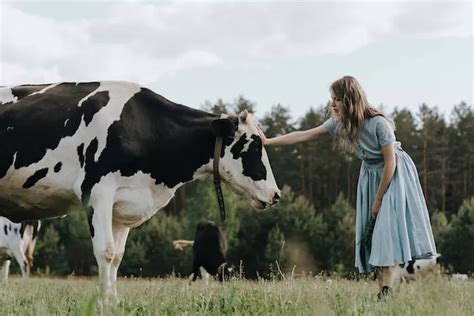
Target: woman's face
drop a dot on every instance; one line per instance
(336, 104)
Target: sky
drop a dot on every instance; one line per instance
(404, 53)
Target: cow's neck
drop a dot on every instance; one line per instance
(184, 150)
(171, 143)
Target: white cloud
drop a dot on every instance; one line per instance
(433, 19)
(144, 42)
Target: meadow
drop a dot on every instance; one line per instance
(290, 296)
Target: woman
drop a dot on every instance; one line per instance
(388, 190)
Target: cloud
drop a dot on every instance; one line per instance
(434, 19)
(145, 42)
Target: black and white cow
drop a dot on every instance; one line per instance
(118, 151)
(209, 252)
(417, 268)
(17, 241)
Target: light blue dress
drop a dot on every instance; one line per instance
(402, 229)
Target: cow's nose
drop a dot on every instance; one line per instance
(276, 198)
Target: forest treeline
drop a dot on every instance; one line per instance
(312, 229)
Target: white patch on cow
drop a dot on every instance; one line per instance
(247, 144)
(205, 276)
(87, 97)
(6, 95)
(119, 94)
(136, 198)
(47, 88)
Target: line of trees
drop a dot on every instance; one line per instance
(312, 229)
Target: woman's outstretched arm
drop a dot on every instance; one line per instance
(293, 137)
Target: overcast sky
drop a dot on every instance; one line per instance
(271, 52)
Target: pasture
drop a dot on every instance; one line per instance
(292, 296)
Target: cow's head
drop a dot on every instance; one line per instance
(226, 272)
(245, 164)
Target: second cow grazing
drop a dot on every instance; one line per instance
(209, 251)
(119, 152)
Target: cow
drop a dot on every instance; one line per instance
(417, 268)
(119, 152)
(17, 241)
(209, 252)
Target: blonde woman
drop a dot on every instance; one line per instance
(388, 192)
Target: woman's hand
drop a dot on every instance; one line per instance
(388, 153)
(262, 135)
(293, 137)
(376, 207)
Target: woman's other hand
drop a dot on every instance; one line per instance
(376, 207)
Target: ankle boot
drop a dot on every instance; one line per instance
(385, 292)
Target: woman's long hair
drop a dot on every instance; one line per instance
(354, 110)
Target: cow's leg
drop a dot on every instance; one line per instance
(5, 269)
(120, 233)
(22, 262)
(30, 248)
(100, 220)
(204, 275)
(196, 270)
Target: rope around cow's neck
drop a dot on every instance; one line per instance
(217, 178)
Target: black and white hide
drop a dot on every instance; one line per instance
(17, 241)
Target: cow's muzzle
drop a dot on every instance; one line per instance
(276, 198)
(263, 205)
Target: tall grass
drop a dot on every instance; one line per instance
(293, 296)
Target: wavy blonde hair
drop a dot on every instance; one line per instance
(354, 110)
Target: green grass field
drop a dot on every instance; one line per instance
(301, 296)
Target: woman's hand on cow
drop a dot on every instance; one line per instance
(262, 135)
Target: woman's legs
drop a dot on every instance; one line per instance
(386, 278)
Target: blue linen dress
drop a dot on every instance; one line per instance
(402, 228)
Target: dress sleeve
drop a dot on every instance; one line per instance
(384, 131)
(330, 125)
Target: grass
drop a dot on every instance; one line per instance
(303, 296)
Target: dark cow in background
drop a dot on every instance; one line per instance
(209, 251)
(17, 241)
(118, 151)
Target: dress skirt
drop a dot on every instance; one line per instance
(402, 229)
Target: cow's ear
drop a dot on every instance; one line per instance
(243, 116)
(225, 127)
